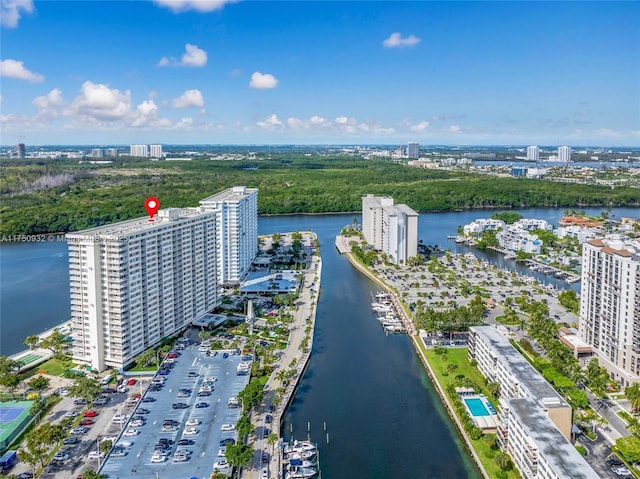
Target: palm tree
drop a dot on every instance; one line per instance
(633, 395)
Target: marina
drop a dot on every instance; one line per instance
(383, 306)
(299, 460)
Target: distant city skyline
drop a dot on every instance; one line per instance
(304, 73)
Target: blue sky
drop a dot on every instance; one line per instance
(305, 72)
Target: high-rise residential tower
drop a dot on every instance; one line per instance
(610, 305)
(238, 230)
(136, 282)
(413, 150)
(21, 149)
(156, 151)
(392, 229)
(564, 153)
(533, 153)
(139, 150)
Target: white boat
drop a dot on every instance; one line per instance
(297, 472)
(381, 307)
(382, 295)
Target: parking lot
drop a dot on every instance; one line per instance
(151, 446)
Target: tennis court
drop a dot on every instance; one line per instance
(29, 358)
(14, 416)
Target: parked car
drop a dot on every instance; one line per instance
(70, 440)
(193, 422)
(90, 414)
(79, 430)
(190, 431)
(142, 411)
(86, 422)
(227, 440)
(186, 442)
(180, 405)
(131, 382)
(61, 456)
(95, 455)
(201, 405)
(227, 427)
(220, 464)
(131, 432)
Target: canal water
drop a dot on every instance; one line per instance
(382, 416)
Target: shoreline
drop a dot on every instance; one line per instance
(432, 377)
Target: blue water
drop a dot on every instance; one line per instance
(476, 406)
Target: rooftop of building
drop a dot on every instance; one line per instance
(163, 218)
(236, 193)
(372, 201)
(565, 460)
(618, 245)
(401, 208)
(523, 372)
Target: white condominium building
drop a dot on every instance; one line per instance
(156, 151)
(372, 219)
(400, 238)
(534, 421)
(237, 209)
(136, 282)
(413, 150)
(390, 228)
(533, 153)
(139, 150)
(610, 305)
(564, 153)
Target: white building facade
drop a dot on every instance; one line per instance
(610, 305)
(136, 282)
(413, 150)
(534, 421)
(238, 231)
(139, 151)
(533, 153)
(390, 228)
(564, 153)
(156, 151)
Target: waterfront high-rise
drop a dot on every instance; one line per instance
(156, 151)
(413, 150)
(112, 152)
(610, 305)
(136, 282)
(21, 150)
(390, 228)
(533, 153)
(237, 209)
(139, 150)
(534, 421)
(97, 153)
(564, 153)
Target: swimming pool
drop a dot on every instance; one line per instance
(476, 407)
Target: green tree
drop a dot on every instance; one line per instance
(633, 395)
(629, 448)
(32, 341)
(10, 381)
(503, 461)
(39, 383)
(239, 454)
(85, 387)
(509, 217)
(8, 365)
(55, 342)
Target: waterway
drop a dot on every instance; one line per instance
(380, 410)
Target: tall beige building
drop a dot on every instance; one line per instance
(610, 305)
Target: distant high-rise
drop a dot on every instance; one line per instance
(139, 150)
(21, 150)
(413, 150)
(564, 153)
(112, 152)
(533, 153)
(97, 153)
(156, 151)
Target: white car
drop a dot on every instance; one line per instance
(211, 378)
(193, 422)
(95, 455)
(265, 473)
(131, 432)
(109, 438)
(190, 431)
(125, 443)
(71, 414)
(227, 427)
(220, 465)
(120, 418)
(222, 453)
(158, 458)
(61, 456)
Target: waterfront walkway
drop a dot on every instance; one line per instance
(304, 315)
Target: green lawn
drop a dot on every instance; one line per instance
(55, 367)
(459, 357)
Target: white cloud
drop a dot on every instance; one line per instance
(295, 123)
(270, 123)
(189, 99)
(192, 57)
(420, 127)
(11, 10)
(318, 121)
(262, 81)
(179, 6)
(397, 41)
(608, 132)
(635, 132)
(51, 100)
(15, 69)
(98, 102)
(453, 129)
(343, 120)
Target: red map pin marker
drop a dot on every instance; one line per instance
(152, 205)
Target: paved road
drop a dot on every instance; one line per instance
(305, 313)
